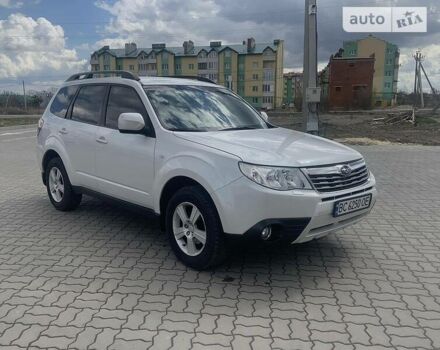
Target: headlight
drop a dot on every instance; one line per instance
(282, 179)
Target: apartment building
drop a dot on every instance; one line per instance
(386, 67)
(253, 70)
(293, 85)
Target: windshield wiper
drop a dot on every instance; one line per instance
(239, 128)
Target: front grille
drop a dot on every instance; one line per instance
(330, 178)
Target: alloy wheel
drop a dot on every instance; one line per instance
(56, 184)
(189, 228)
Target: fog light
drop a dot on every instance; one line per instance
(266, 233)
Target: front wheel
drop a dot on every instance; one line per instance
(59, 189)
(194, 228)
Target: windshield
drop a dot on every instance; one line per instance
(201, 108)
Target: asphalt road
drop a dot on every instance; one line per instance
(104, 278)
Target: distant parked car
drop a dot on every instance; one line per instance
(202, 158)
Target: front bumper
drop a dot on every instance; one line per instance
(300, 216)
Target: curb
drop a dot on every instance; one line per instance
(18, 127)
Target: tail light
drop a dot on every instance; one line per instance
(40, 125)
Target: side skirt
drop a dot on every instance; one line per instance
(126, 205)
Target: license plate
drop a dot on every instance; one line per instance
(351, 205)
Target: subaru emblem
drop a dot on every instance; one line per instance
(345, 170)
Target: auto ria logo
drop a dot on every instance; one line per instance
(385, 19)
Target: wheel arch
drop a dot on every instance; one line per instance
(48, 156)
(173, 185)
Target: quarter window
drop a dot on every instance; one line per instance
(62, 101)
(88, 104)
(122, 99)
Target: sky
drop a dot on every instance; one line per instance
(43, 41)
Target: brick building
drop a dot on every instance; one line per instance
(350, 83)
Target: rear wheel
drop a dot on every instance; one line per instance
(59, 189)
(194, 228)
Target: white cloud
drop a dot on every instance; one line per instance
(11, 3)
(173, 21)
(35, 46)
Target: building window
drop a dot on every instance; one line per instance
(165, 66)
(202, 65)
(95, 67)
(212, 54)
(202, 54)
(106, 58)
(338, 88)
(255, 88)
(213, 77)
(268, 99)
(241, 77)
(227, 65)
(142, 67)
(254, 99)
(191, 66)
(353, 52)
(268, 75)
(255, 64)
(227, 53)
(254, 76)
(152, 66)
(388, 73)
(106, 67)
(388, 85)
(152, 55)
(267, 87)
(212, 65)
(178, 66)
(131, 67)
(228, 81)
(119, 67)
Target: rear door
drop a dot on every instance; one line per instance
(125, 162)
(80, 134)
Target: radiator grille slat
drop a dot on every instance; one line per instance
(330, 178)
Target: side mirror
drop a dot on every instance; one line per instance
(131, 123)
(264, 115)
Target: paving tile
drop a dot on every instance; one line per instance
(104, 277)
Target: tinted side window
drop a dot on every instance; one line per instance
(122, 99)
(88, 104)
(62, 101)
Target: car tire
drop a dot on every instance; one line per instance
(59, 188)
(182, 229)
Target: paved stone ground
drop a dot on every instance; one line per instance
(104, 278)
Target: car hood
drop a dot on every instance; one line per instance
(275, 146)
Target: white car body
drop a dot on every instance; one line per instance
(135, 168)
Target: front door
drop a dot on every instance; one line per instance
(125, 162)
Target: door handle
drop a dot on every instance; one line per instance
(63, 131)
(102, 139)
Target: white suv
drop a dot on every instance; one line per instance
(202, 158)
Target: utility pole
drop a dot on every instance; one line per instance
(24, 96)
(418, 87)
(311, 93)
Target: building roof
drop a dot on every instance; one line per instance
(370, 37)
(179, 51)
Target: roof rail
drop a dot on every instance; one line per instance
(89, 75)
(193, 77)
